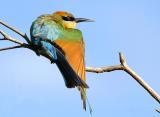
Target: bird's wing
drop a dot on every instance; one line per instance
(44, 28)
(74, 53)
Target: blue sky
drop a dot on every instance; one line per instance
(31, 87)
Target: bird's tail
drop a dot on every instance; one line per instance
(84, 99)
(70, 77)
(83, 96)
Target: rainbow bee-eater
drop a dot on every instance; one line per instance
(67, 49)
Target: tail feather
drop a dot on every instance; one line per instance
(70, 77)
(83, 96)
(84, 99)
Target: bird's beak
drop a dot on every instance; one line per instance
(83, 20)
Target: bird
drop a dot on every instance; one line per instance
(55, 35)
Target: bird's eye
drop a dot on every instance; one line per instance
(65, 18)
(68, 18)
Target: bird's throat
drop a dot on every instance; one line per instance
(68, 24)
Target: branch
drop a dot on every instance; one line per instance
(2, 39)
(127, 69)
(158, 110)
(20, 44)
(104, 69)
(7, 37)
(123, 64)
(9, 48)
(16, 31)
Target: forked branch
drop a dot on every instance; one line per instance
(123, 64)
(16, 31)
(9, 38)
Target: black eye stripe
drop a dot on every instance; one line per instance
(72, 18)
(65, 18)
(68, 18)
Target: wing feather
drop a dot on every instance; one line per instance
(74, 53)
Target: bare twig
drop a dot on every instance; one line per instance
(104, 69)
(123, 64)
(9, 48)
(127, 69)
(20, 44)
(158, 110)
(16, 31)
(7, 37)
(2, 39)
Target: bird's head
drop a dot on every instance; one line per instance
(67, 20)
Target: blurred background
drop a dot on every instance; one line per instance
(32, 87)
